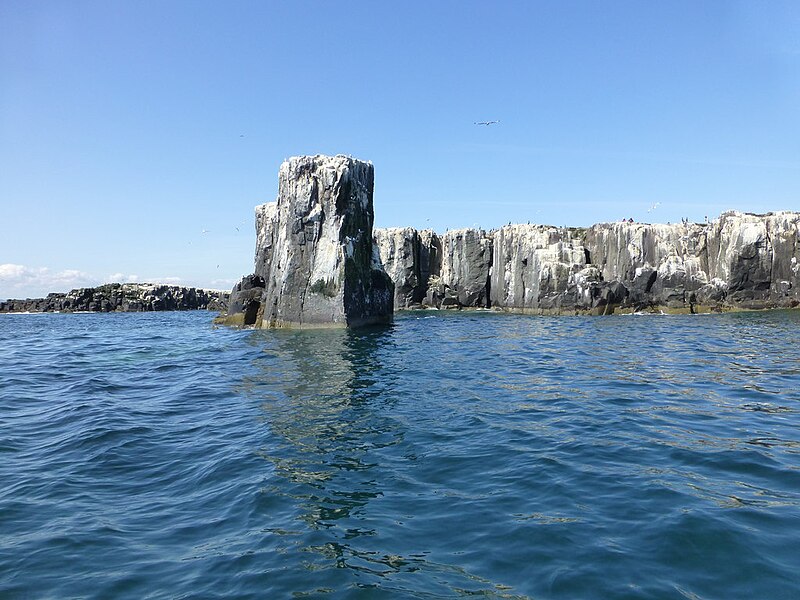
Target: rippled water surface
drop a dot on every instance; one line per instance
(449, 455)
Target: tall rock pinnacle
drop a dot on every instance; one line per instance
(314, 251)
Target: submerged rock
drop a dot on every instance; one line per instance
(314, 249)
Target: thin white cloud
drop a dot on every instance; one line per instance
(223, 283)
(20, 281)
(169, 280)
(11, 271)
(122, 278)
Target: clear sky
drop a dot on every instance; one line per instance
(127, 129)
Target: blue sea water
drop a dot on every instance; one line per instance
(448, 455)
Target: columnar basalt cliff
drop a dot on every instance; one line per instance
(535, 266)
(319, 263)
(316, 264)
(399, 253)
(737, 261)
(123, 297)
(463, 276)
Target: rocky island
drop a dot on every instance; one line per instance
(320, 263)
(122, 297)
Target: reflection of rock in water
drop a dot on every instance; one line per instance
(318, 390)
(351, 490)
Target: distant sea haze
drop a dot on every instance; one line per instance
(448, 454)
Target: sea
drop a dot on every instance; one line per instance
(448, 455)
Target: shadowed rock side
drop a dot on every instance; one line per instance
(463, 277)
(399, 253)
(315, 264)
(123, 297)
(436, 271)
(244, 307)
(543, 268)
(737, 261)
(430, 258)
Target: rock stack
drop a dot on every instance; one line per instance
(316, 263)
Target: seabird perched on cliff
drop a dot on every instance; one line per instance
(486, 122)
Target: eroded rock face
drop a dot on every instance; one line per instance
(737, 261)
(314, 247)
(463, 277)
(536, 265)
(430, 257)
(756, 257)
(660, 264)
(246, 299)
(399, 252)
(319, 262)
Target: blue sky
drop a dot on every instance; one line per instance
(129, 128)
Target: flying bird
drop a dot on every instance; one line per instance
(486, 122)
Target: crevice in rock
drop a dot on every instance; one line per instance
(651, 282)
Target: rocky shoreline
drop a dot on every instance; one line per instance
(737, 261)
(319, 262)
(123, 297)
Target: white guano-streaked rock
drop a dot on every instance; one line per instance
(533, 264)
(314, 247)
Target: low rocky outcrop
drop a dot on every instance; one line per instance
(245, 305)
(314, 251)
(737, 261)
(123, 297)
